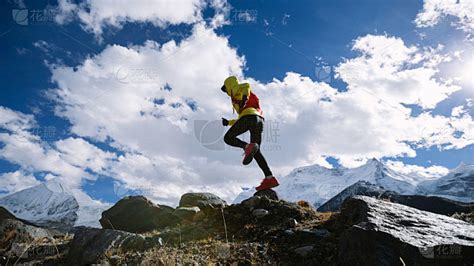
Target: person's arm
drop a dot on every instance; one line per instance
(244, 91)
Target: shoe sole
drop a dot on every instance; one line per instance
(276, 185)
(249, 158)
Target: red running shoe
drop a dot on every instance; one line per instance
(250, 151)
(268, 183)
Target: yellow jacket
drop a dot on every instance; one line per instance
(236, 91)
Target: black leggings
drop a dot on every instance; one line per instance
(254, 124)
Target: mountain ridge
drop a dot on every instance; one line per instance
(317, 184)
(52, 204)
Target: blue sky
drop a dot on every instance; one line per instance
(265, 41)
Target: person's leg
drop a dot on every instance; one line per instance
(256, 137)
(240, 127)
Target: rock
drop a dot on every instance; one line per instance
(200, 216)
(467, 217)
(205, 201)
(323, 232)
(384, 233)
(28, 242)
(251, 202)
(304, 251)
(260, 213)
(137, 214)
(92, 245)
(5, 214)
(292, 223)
(187, 213)
(267, 193)
(18, 232)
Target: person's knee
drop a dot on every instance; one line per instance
(228, 138)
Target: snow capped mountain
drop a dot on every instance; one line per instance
(317, 184)
(48, 204)
(52, 204)
(458, 184)
(363, 188)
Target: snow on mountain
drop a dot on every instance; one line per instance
(458, 184)
(317, 184)
(52, 204)
(89, 211)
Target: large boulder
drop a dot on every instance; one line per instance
(27, 242)
(205, 201)
(385, 233)
(137, 214)
(93, 245)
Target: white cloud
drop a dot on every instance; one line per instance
(395, 73)
(435, 10)
(458, 111)
(81, 153)
(423, 173)
(222, 9)
(15, 181)
(69, 160)
(35, 156)
(95, 15)
(15, 121)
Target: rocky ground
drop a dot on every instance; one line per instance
(261, 230)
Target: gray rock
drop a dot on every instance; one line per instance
(260, 213)
(28, 242)
(186, 213)
(18, 232)
(304, 251)
(321, 232)
(383, 232)
(292, 223)
(204, 201)
(267, 193)
(91, 245)
(251, 202)
(137, 214)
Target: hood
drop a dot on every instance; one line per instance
(229, 83)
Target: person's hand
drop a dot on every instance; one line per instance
(225, 122)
